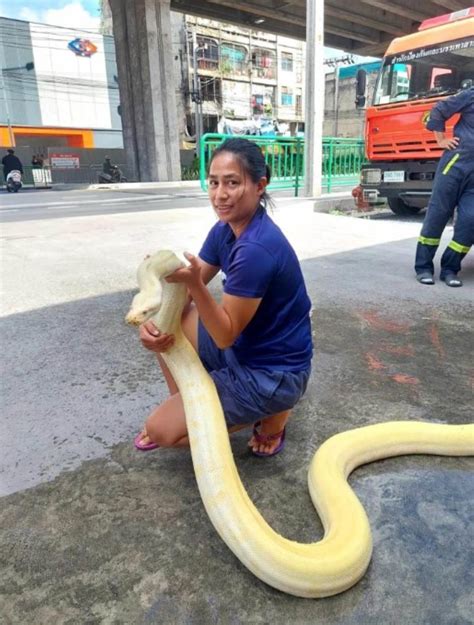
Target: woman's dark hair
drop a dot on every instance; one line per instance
(251, 158)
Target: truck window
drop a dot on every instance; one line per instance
(440, 77)
(425, 72)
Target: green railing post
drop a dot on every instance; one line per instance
(330, 164)
(297, 173)
(202, 161)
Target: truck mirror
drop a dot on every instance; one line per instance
(361, 87)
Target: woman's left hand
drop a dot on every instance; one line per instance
(190, 275)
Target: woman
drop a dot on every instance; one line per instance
(256, 344)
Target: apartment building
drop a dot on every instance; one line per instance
(244, 75)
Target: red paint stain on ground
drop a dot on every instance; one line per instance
(402, 378)
(409, 350)
(374, 320)
(435, 339)
(373, 362)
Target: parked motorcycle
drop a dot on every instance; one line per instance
(115, 176)
(13, 181)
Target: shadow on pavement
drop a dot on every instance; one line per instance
(105, 534)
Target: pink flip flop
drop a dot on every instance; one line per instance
(147, 447)
(268, 438)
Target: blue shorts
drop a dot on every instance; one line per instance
(248, 395)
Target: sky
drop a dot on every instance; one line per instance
(80, 14)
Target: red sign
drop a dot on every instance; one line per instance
(61, 160)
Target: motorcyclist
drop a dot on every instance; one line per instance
(110, 172)
(107, 167)
(11, 162)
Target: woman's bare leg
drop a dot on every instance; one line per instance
(271, 425)
(170, 383)
(155, 428)
(166, 425)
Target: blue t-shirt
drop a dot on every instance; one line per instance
(262, 264)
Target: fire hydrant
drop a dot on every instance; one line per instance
(361, 204)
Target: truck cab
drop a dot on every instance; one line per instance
(417, 71)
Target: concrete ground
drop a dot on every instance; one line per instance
(92, 531)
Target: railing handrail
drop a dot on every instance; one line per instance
(342, 158)
(271, 138)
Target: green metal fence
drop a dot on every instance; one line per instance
(342, 160)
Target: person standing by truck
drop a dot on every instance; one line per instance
(453, 187)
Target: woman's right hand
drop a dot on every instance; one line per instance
(153, 339)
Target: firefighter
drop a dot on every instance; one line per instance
(453, 186)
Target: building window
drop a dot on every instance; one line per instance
(256, 102)
(211, 89)
(263, 63)
(207, 53)
(233, 59)
(286, 96)
(262, 100)
(298, 102)
(287, 61)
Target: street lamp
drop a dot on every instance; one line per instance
(28, 66)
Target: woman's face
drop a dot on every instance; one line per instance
(233, 194)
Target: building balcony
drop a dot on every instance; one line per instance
(264, 73)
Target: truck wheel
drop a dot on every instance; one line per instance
(399, 207)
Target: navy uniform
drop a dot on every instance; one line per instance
(453, 186)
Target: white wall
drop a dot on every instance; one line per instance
(73, 90)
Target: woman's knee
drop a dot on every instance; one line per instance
(166, 425)
(160, 434)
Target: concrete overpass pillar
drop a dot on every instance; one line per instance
(144, 52)
(314, 97)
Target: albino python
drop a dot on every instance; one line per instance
(340, 559)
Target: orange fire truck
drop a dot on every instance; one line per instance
(417, 71)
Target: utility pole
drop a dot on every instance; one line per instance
(336, 101)
(196, 97)
(250, 73)
(314, 107)
(336, 63)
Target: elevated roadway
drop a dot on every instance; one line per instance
(142, 30)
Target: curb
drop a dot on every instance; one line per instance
(147, 185)
(343, 202)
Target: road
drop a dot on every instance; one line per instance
(55, 204)
(94, 532)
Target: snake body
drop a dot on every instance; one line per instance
(341, 558)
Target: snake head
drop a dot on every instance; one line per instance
(143, 307)
(152, 269)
